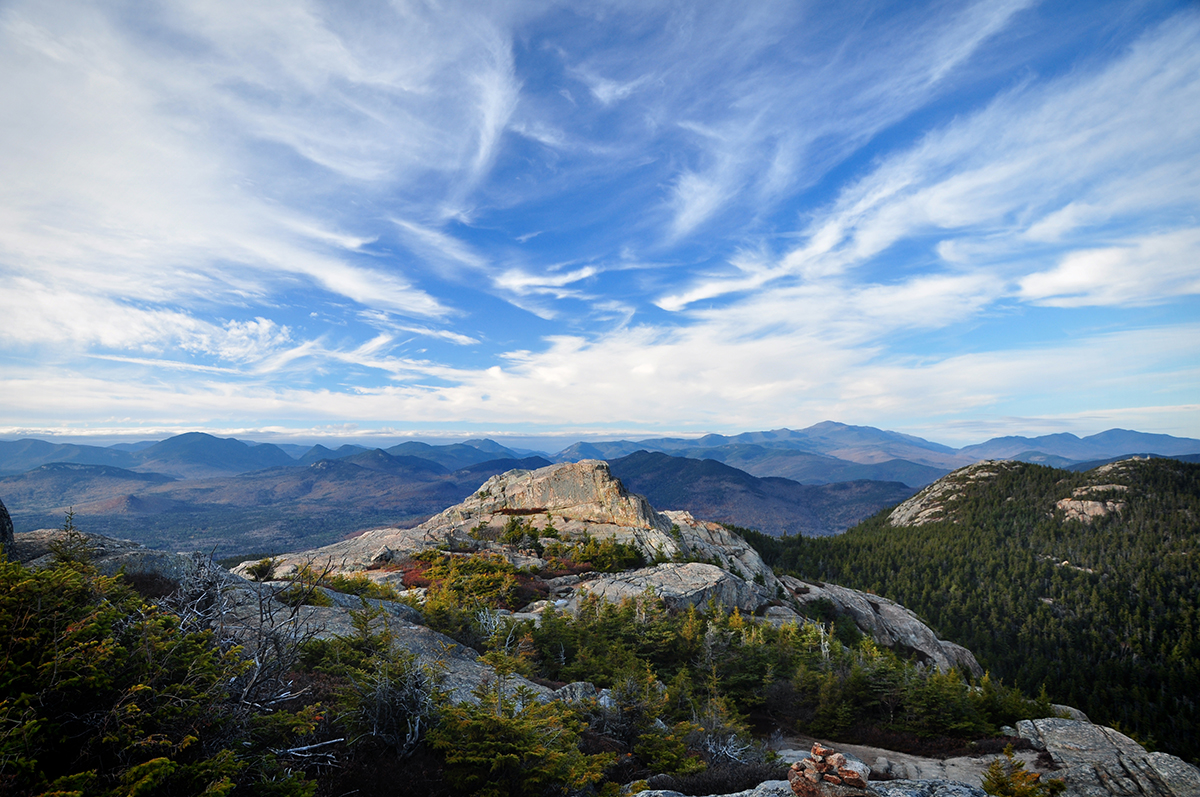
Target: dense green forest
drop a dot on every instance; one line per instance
(1105, 614)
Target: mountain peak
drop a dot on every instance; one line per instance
(584, 490)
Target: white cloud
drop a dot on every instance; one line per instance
(609, 91)
(179, 189)
(522, 282)
(146, 172)
(439, 246)
(707, 375)
(754, 139)
(1145, 271)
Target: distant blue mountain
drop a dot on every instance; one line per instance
(1105, 445)
(320, 452)
(712, 490)
(826, 452)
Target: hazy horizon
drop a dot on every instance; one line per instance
(547, 444)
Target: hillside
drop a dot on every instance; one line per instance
(1087, 583)
(715, 491)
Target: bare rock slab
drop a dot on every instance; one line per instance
(679, 585)
(887, 622)
(1096, 761)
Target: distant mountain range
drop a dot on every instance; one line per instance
(835, 452)
(711, 490)
(197, 490)
(821, 454)
(264, 511)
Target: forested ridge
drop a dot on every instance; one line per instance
(1103, 613)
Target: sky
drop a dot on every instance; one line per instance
(299, 220)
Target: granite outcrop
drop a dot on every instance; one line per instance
(577, 501)
(1096, 761)
(679, 585)
(887, 622)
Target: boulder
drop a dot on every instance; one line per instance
(887, 622)
(679, 585)
(6, 530)
(1095, 761)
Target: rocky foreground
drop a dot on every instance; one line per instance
(697, 562)
(705, 561)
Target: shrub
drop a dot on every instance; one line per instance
(262, 570)
(514, 745)
(1008, 777)
(102, 693)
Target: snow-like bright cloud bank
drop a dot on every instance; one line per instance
(952, 220)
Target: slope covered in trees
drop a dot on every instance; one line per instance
(1103, 611)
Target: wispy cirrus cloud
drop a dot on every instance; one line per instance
(174, 210)
(626, 213)
(1040, 165)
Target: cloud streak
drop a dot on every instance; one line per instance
(711, 217)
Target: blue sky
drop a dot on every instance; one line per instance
(294, 219)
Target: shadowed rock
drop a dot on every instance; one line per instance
(6, 528)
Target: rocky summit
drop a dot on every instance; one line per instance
(937, 501)
(574, 501)
(583, 500)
